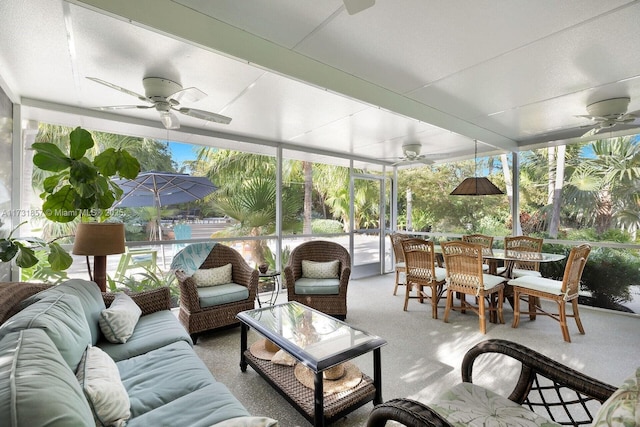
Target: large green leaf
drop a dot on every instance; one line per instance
(26, 257)
(128, 166)
(49, 157)
(80, 140)
(61, 205)
(58, 258)
(8, 250)
(107, 162)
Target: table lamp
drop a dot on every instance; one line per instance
(99, 239)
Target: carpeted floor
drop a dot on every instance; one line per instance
(423, 355)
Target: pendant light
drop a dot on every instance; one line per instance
(476, 186)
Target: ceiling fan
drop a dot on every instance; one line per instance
(609, 113)
(165, 96)
(355, 6)
(411, 154)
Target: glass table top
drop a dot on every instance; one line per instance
(316, 339)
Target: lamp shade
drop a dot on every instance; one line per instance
(476, 186)
(99, 239)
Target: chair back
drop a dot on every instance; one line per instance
(319, 251)
(463, 261)
(419, 256)
(524, 244)
(573, 270)
(182, 231)
(396, 240)
(479, 239)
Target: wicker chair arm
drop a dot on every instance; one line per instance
(150, 301)
(188, 292)
(407, 412)
(246, 276)
(535, 363)
(345, 273)
(289, 280)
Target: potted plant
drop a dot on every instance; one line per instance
(81, 187)
(23, 250)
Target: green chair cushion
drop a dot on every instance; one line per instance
(152, 331)
(168, 381)
(306, 286)
(63, 320)
(222, 294)
(467, 404)
(90, 297)
(622, 408)
(31, 368)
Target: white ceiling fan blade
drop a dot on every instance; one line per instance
(205, 115)
(592, 131)
(355, 6)
(190, 94)
(169, 120)
(121, 89)
(123, 107)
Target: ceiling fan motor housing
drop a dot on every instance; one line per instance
(411, 149)
(609, 108)
(159, 89)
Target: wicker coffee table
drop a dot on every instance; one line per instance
(319, 342)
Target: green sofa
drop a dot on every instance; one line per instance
(46, 343)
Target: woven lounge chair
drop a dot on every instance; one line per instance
(328, 295)
(545, 391)
(197, 318)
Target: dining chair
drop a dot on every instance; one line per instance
(480, 239)
(396, 239)
(560, 291)
(522, 268)
(465, 275)
(421, 272)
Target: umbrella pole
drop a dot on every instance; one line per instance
(164, 261)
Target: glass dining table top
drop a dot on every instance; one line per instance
(318, 340)
(511, 255)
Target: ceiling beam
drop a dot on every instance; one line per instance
(177, 21)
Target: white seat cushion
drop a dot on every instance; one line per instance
(441, 274)
(541, 284)
(401, 264)
(467, 404)
(518, 272)
(491, 281)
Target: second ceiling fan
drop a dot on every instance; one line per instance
(165, 96)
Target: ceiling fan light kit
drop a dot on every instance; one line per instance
(476, 186)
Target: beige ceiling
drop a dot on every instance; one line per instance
(512, 74)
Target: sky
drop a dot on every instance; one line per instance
(181, 152)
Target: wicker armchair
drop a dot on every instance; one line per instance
(197, 319)
(320, 251)
(546, 387)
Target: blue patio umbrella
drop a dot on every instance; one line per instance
(160, 189)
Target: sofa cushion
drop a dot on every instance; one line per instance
(99, 378)
(119, 320)
(222, 294)
(622, 408)
(89, 294)
(306, 286)
(170, 380)
(248, 422)
(467, 404)
(320, 270)
(63, 320)
(213, 276)
(152, 331)
(37, 388)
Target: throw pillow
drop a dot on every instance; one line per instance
(119, 320)
(623, 407)
(248, 422)
(213, 276)
(99, 378)
(320, 270)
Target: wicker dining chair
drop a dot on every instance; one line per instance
(329, 301)
(560, 291)
(421, 272)
(400, 267)
(463, 262)
(480, 239)
(522, 244)
(197, 318)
